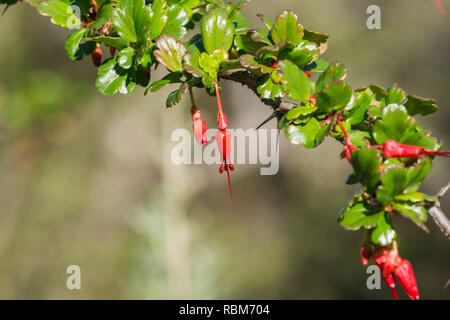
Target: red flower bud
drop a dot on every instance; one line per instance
(97, 56)
(405, 275)
(112, 51)
(307, 74)
(199, 126)
(366, 253)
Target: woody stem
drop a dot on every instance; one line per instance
(191, 95)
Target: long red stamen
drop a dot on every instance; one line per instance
(229, 179)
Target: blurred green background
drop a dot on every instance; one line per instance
(87, 179)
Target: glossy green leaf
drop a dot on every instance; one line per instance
(417, 173)
(125, 57)
(334, 72)
(217, 30)
(112, 78)
(395, 124)
(357, 114)
(173, 77)
(132, 20)
(359, 216)
(296, 83)
(366, 164)
(303, 54)
(417, 105)
(416, 213)
(296, 112)
(177, 18)
(73, 45)
(170, 53)
(158, 18)
(309, 135)
(393, 182)
(286, 27)
(116, 42)
(268, 89)
(62, 12)
(335, 96)
(384, 233)
(191, 65)
(175, 96)
(395, 95)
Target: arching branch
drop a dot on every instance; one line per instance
(438, 216)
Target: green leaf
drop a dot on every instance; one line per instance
(358, 138)
(415, 197)
(125, 57)
(395, 124)
(177, 18)
(61, 12)
(417, 105)
(335, 96)
(73, 45)
(393, 182)
(296, 83)
(132, 20)
(317, 37)
(245, 44)
(320, 66)
(417, 173)
(175, 96)
(103, 15)
(303, 54)
(296, 112)
(158, 18)
(173, 77)
(384, 233)
(268, 89)
(286, 27)
(309, 135)
(395, 95)
(366, 164)
(192, 66)
(116, 42)
(357, 114)
(416, 213)
(217, 30)
(334, 72)
(359, 216)
(112, 78)
(170, 53)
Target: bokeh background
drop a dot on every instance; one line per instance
(87, 179)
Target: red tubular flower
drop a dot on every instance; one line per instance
(393, 266)
(349, 147)
(199, 126)
(405, 275)
(394, 149)
(97, 56)
(307, 74)
(223, 138)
